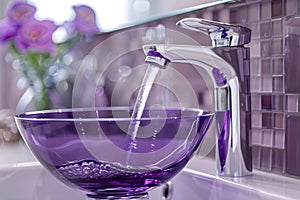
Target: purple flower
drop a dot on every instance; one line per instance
(19, 12)
(7, 30)
(36, 36)
(85, 20)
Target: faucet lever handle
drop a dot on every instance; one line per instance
(222, 34)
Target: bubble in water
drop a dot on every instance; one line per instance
(92, 170)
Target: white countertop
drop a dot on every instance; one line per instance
(277, 186)
(14, 153)
(23, 178)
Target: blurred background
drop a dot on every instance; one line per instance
(274, 67)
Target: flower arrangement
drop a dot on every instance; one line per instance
(31, 42)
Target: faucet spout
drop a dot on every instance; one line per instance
(156, 58)
(231, 102)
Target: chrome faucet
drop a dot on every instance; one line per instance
(227, 64)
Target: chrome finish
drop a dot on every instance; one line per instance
(156, 58)
(221, 34)
(231, 96)
(222, 98)
(167, 191)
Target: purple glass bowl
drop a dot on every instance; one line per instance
(90, 149)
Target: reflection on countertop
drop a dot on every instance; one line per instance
(267, 184)
(23, 178)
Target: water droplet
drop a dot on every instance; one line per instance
(62, 86)
(125, 71)
(113, 75)
(16, 64)
(53, 70)
(22, 82)
(99, 91)
(161, 32)
(8, 58)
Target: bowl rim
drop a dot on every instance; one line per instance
(29, 116)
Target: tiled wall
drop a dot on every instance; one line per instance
(275, 78)
(275, 118)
